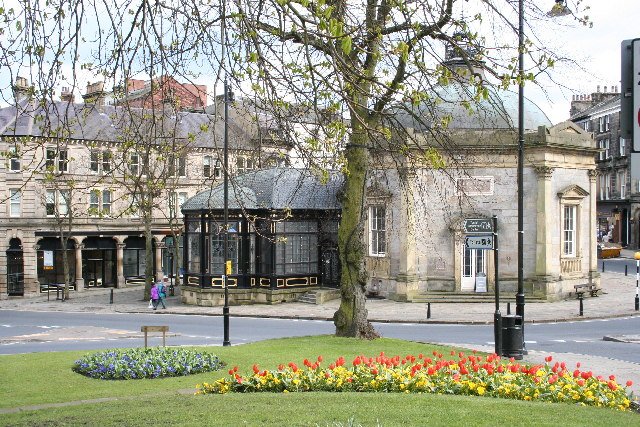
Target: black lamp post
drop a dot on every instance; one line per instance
(559, 9)
(225, 310)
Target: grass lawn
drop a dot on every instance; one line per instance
(46, 378)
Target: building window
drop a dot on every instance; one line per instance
(569, 230)
(100, 161)
(182, 199)
(206, 166)
(600, 124)
(377, 231)
(176, 200)
(607, 186)
(100, 202)
(603, 145)
(57, 160)
(622, 182)
(57, 199)
(622, 146)
(14, 160)
(217, 170)
(297, 247)
(607, 119)
(15, 201)
(134, 164)
(244, 164)
(178, 166)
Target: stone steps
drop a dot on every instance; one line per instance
(467, 297)
(319, 296)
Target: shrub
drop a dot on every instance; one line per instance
(136, 363)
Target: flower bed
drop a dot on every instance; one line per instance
(136, 363)
(471, 374)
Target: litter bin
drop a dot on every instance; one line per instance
(512, 338)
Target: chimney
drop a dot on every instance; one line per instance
(95, 94)
(598, 89)
(605, 89)
(66, 95)
(21, 89)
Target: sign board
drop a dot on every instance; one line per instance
(630, 94)
(481, 283)
(48, 260)
(479, 242)
(478, 225)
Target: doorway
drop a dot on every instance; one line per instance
(330, 268)
(15, 268)
(474, 261)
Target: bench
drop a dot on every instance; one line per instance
(592, 288)
(147, 329)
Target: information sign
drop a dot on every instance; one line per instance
(478, 225)
(479, 242)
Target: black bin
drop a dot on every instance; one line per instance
(512, 338)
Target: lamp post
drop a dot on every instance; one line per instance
(637, 257)
(225, 310)
(559, 9)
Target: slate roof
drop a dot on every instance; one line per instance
(109, 123)
(273, 189)
(498, 111)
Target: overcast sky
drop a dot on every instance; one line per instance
(596, 49)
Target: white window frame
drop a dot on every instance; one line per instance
(207, 163)
(134, 163)
(57, 199)
(14, 160)
(217, 169)
(15, 203)
(607, 120)
(622, 183)
(377, 231)
(94, 201)
(607, 186)
(569, 230)
(622, 145)
(57, 158)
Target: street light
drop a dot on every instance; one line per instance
(559, 9)
(225, 310)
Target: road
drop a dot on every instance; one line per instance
(617, 265)
(26, 332)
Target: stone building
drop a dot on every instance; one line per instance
(86, 158)
(617, 196)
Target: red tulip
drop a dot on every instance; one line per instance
(629, 383)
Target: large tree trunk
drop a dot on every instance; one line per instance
(351, 317)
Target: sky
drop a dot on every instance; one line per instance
(596, 50)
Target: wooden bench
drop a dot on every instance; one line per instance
(147, 329)
(592, 288)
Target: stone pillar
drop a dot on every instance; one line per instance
(406, 279)
(546, 266)
(593, 241)
(79, 275)
(159, 246)
(121, 282)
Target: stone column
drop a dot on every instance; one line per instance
(79, 274)
(406, 279)
(591, 235)
(121, 282)
(159, 246)
(546, 266)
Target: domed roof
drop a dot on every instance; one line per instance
(276, 189)
(498, 111)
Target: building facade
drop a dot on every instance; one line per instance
(617, 196)
(86, 173)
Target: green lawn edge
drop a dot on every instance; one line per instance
(46, 378)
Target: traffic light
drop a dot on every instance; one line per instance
(630, 94)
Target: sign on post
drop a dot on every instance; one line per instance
(630, 94)
(479, 242)
(478, 225)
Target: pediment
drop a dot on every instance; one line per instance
(574, 192)
(376, 190)
(567, 128)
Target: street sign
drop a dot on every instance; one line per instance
(478, 225)
(630, 94)
(484, 241)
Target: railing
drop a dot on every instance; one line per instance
(570, 265)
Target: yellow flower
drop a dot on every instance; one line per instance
(480, 390)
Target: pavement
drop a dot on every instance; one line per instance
(616, 300)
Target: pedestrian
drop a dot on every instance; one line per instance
(154, 296)
(162, 291)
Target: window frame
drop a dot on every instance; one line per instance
(569, 231)
(15, 199)
(377, 236)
